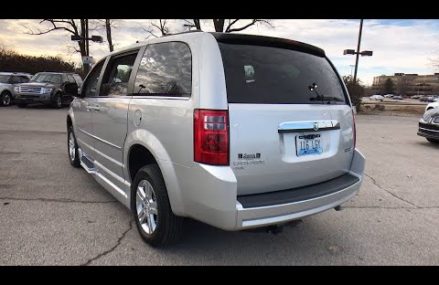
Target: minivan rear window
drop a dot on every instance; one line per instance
(272, 75)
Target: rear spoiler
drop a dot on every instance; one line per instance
(244, 39)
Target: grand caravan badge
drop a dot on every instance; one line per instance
(247, 159)
(249, 156)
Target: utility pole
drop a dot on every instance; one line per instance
(358, 51)
(84, 40)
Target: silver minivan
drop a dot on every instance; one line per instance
(236, 131)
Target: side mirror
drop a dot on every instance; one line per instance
(72, 89)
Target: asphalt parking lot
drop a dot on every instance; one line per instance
(53, 214)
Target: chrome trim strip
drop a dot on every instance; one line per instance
(301, 126)
(120, 179)
(100, 153)
(111, 184)
(108, 158)
(100, 176)
(99, 139)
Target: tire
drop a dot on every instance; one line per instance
(72, 148)
(5, 99)
(57, 101)
(163, 227)
(21, 105)
(435, 141)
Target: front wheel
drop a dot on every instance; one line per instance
(156, 223)
(72, 148)
(6, 99)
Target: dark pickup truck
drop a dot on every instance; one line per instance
(48, 88)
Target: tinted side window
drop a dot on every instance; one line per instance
(117, 75)
(272, 75)
(91, 84)
(24, 79)
(15, 80)
(165, 70)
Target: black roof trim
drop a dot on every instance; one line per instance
(268, 41)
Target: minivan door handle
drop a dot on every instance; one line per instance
(308, 126)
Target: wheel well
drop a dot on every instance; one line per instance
(429, 108)
(69, 122)
(138, 156)
(6, 92)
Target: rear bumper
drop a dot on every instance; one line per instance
(238, 213)
(279, 213)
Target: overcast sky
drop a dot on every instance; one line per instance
(407, 46)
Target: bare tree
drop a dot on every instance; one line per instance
(73, 27)
(108, 23)
(160, 27)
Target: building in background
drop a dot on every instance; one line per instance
(407, 84)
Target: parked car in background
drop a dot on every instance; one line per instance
(377, 98)
(259, 132)
(429, 98)
(7, 83)
(47, 88)
(397, 97)
(416, 97)
(388, 96)
(429, 125)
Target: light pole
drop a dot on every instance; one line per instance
(351, 65)
(357, 52)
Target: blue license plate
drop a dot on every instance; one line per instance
(308, 144)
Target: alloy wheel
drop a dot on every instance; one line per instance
(146, 207)
(72, 149)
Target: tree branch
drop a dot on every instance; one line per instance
(253, 22)
(229, 26)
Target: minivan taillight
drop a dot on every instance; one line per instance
(211, 136)
(354, 129)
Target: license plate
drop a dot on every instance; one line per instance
(308, 144)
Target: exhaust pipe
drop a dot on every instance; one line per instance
(338, 208)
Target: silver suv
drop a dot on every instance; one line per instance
(236, 131)
(7, 82)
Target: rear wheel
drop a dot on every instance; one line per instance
(6, 98)
(156, 223)
(435, 141)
